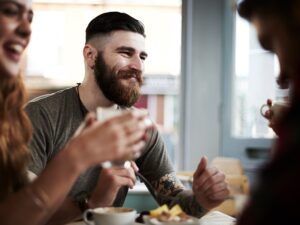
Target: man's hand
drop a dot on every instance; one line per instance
(209, 186)
(109, 183)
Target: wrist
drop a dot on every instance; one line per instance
(100, 199)
(95, 202)
(75, 160)
(82, 201)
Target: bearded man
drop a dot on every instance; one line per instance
(114, 56)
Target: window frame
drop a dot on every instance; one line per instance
(251, 151)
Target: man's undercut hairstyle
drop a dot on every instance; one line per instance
(113, 21)
(246, 8)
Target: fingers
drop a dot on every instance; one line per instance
(269, 114)
(90, 118)
(218, 191)
(134, 137)
(118, 138)
(131, 131)
(207, 177)
(220, 195)
(134, 121)
(132, 115)
(130, 125)
(134, 166)
(134, 150)
(118, 176)
(201, 167)
(211, 183)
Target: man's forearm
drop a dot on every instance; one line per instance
(188, 203)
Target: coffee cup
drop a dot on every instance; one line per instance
(108, 112)
(104, 114)
(110, 216)
(277, 108)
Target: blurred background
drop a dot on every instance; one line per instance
(206, 75)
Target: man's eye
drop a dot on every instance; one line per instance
(143, 57)
(126, 53)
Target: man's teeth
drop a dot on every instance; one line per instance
(16, 47)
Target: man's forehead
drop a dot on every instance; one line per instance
(126, 38)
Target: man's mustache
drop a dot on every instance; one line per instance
(132, 73)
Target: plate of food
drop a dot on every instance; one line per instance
(165, 216)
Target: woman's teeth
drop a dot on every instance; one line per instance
(17, 48)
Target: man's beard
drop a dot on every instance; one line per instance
(110, 83)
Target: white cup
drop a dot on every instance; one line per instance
(107, 113)
(277, 108)
(110, 216)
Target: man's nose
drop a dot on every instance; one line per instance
(137, 63)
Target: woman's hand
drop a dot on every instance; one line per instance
(274, 113)
(115, 139)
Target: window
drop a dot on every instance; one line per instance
(249, 80)
(255, 68)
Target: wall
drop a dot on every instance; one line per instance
(201, 80)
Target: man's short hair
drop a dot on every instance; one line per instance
(246, 8)
(112, 21)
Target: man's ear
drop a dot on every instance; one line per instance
(89, 54)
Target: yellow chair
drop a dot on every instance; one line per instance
(238, 184)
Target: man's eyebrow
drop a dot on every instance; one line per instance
(130, 49)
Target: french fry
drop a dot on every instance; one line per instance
(158, 211)
(175, 210)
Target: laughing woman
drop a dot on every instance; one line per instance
(33, 203)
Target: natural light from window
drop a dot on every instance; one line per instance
(254, 69)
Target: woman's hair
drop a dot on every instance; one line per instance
(246, 8)
(15, 134)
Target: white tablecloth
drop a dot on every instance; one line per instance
(217, 218)
(83, 223)
(211, 218)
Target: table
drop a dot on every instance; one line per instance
(83, 223)
(217, 218)
(211, 218)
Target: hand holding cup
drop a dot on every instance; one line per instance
(273, 111)
(104, 114)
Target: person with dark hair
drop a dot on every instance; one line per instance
(107, 22)
(114, 56)
(275, 199)
(33, 203)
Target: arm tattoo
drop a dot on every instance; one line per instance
(172, 192)
(168, 185)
